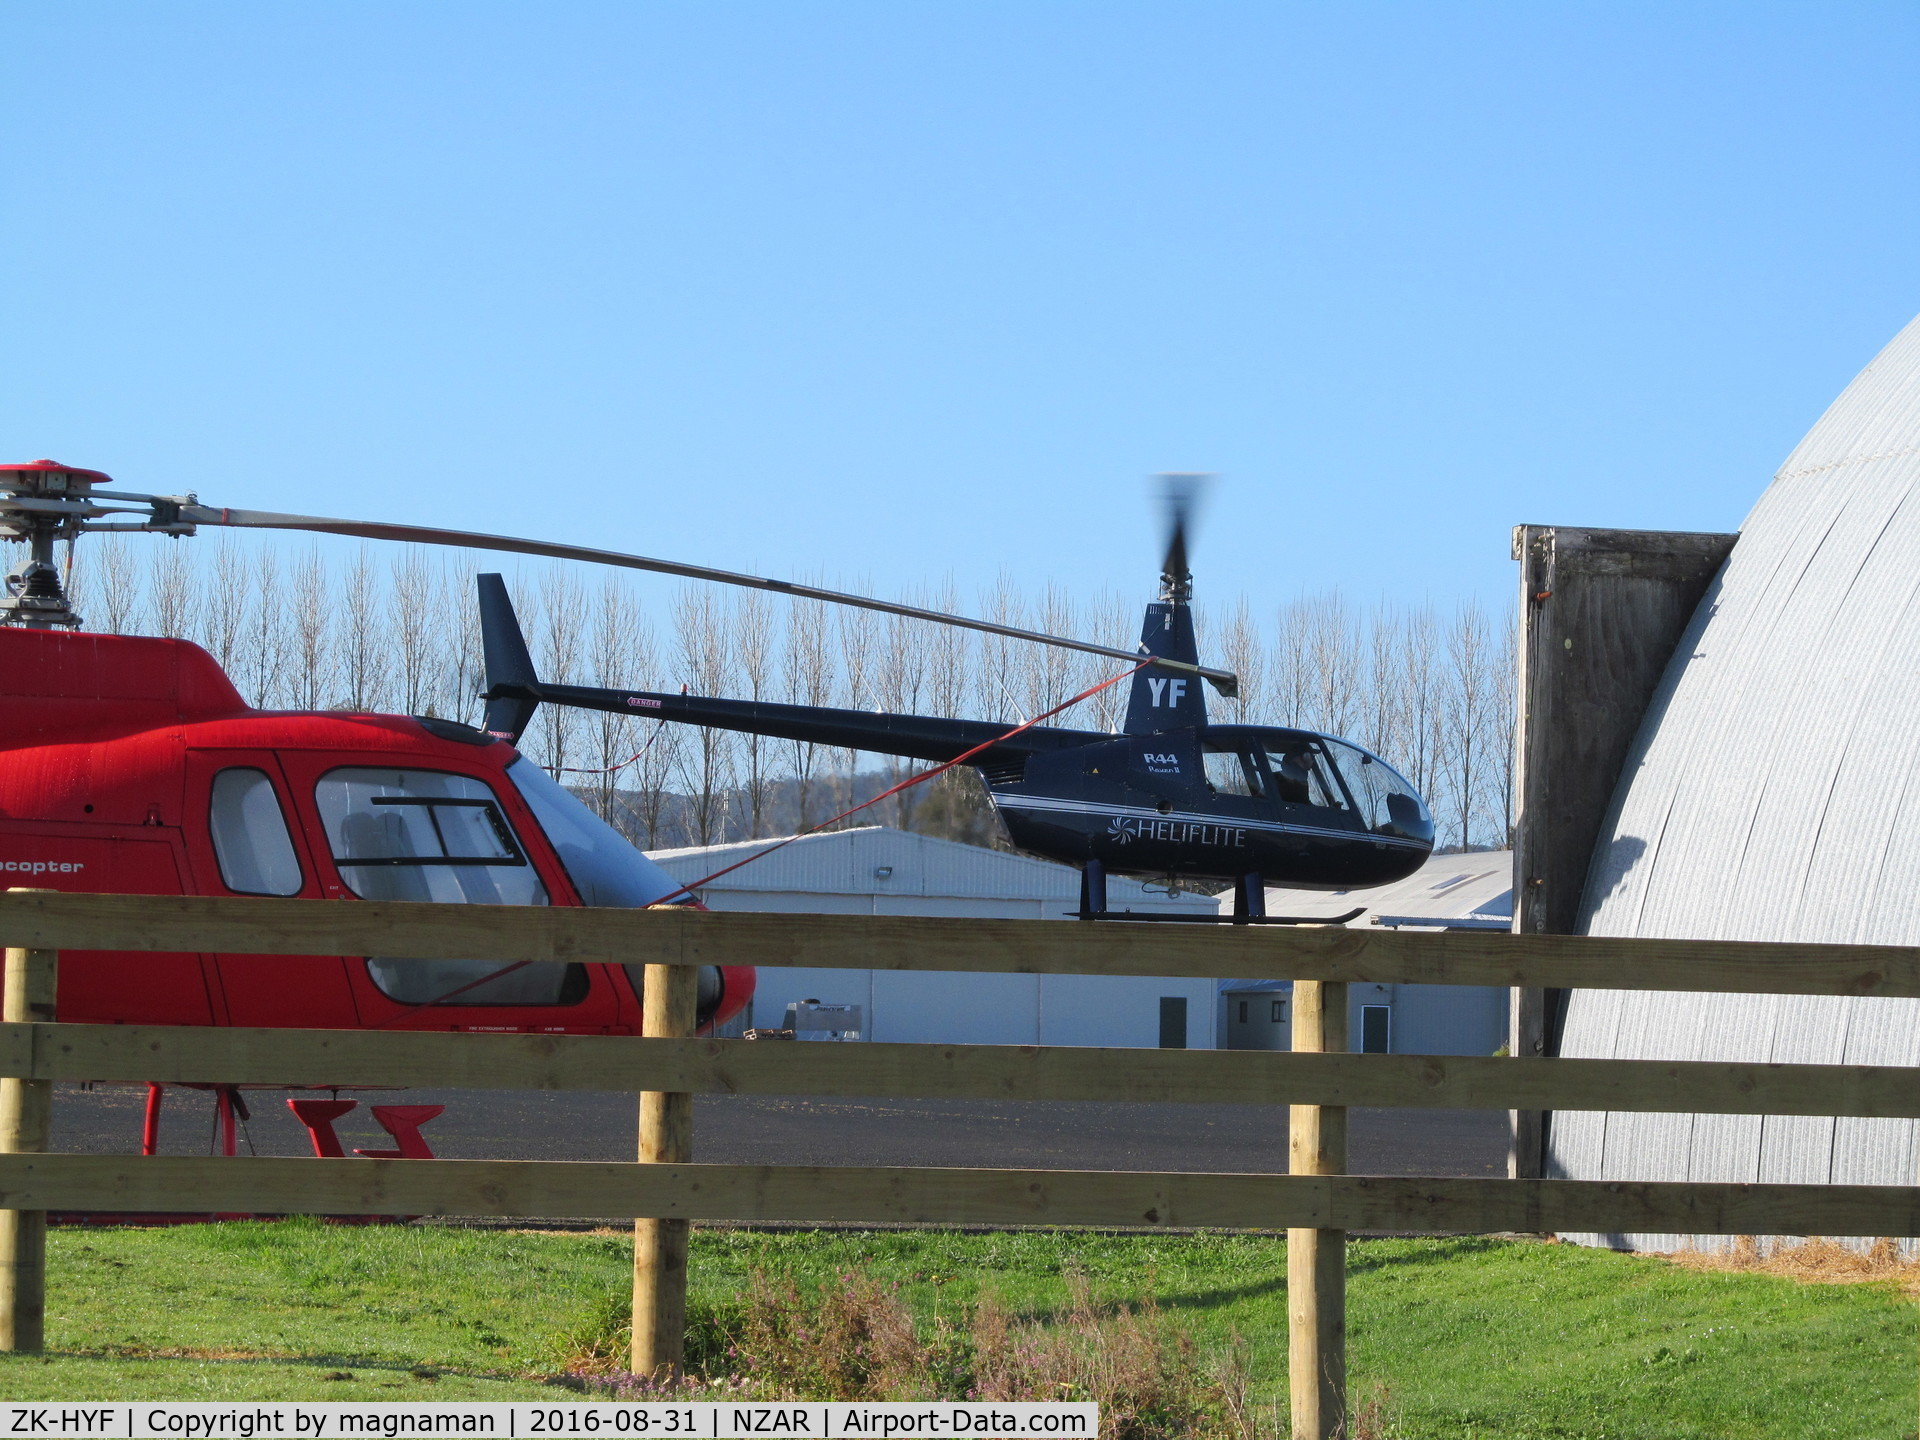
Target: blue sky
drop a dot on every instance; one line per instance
(886, 292)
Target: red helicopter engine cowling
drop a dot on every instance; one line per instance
(132, 765)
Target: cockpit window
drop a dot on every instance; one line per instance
(428, 836)
(250, 838)
(1300, 777)
(1388, 805)
(424, 835)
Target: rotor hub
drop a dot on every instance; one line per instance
(41, 503)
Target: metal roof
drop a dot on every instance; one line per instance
(1476, 885)
(1774, 794)
(1446, 887)
(850, 862)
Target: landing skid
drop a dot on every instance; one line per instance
(1249, 905)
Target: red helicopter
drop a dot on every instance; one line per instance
(132, 765)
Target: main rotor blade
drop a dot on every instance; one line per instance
(1225, 681)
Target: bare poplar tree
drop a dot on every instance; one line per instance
(900, 687)
(995, 694)
(1292, 668)
(1334, 654)
(170, 589)
(417, 615)
(753, 650)
(949, 655)
(1384, 720)
(1505, 719)
(263, 641)
(464, 672)
(116, 584)
(223, 603)
(854, 633)
(562, 634)
(809, 678)
(362, 642)
(311, 627)
(1470, 658)
(1243, 652)
(611, 655)
(658, 749)
(1049, 674)
(1110, 621)
(700, 631)
(1421, 685)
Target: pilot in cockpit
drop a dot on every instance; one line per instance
(1292, 774)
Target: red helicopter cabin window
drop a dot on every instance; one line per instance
(424, 835)
(250, 838)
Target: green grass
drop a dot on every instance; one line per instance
(1465, 1338)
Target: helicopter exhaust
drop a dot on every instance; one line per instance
(509, 666)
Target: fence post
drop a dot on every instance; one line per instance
(669, 1005)
(26, 1115)
(1317, 1259)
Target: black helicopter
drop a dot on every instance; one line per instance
(1171, 795)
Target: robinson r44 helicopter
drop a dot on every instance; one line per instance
(1170, 796)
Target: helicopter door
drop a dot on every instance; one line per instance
(248, 843)
(397, 832)
(1309, 794)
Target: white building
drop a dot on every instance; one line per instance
(1473, 891)
(879, 871)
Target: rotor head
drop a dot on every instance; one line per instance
(43, 502)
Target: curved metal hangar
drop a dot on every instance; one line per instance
(1774, 794)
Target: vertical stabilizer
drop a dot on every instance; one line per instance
(509, 666)
(1162, 700)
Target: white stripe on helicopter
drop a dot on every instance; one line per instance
(1090, 807)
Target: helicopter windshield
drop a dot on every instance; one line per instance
(1388, 804)
(602, 863)
(605, 867)
(429, 836)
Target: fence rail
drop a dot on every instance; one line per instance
(667, 1067)
(48, 920)
(947, 1072)
(924, 1195)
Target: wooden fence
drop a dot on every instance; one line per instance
(1316, 1203)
